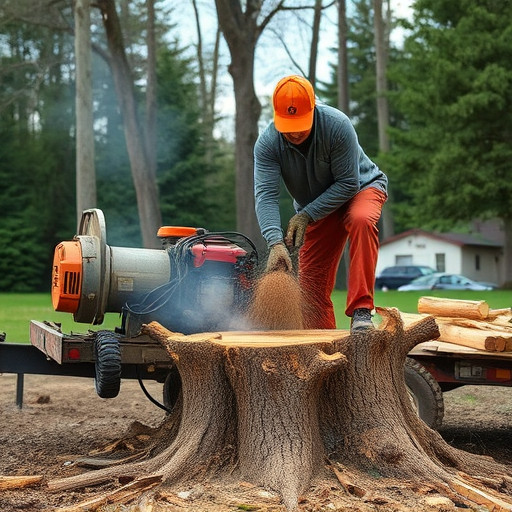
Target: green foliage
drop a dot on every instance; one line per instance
(33, 164)
(361, 75)
(115, 190)
(193, 190)
(451, 157)
(37, 155)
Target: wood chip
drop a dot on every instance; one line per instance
(481, 497)
(19, 482)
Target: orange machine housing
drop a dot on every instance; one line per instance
(67, 276)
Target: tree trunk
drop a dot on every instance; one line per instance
(151, 85)
(315, 36)
(343, 82)
(248, 111)
(143, 179)
(85, 169)
(381, 51)
(344, 106)
(207, 96)
(381, 56)
(279, 409)
(241, 32)
(507, 253)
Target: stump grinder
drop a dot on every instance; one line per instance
(199, 281)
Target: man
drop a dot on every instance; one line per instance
(338, 195)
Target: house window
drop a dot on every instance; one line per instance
(440, 262)
(477, 261)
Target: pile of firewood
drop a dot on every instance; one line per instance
(468, 323)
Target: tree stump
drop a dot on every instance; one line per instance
(281, 409)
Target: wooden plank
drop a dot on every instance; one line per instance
(438, 306)
(441, 347)
(46, 339)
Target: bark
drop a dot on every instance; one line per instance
(271, 408)
(85, 169)
(143, 179)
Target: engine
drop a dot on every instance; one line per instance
(199, 281)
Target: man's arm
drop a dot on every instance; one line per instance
(267, 184)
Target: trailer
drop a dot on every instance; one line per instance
(55, 353)
(197, 282)
(431, 369)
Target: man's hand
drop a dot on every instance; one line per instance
(297, 229)
(279, 258)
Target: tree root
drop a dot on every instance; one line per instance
(271, 408)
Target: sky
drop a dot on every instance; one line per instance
(272, 61)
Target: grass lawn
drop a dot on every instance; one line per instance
(16, 310)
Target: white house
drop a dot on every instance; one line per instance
(470, 255)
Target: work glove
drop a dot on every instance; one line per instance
(279, 258)
(297, 229)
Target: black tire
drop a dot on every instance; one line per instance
(425, 393)
(172, 388)
(107, 381)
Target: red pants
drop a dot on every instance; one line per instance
(323, 248)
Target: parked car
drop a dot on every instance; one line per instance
(444, 281)
(393, 277)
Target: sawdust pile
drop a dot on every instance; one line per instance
(276, 303)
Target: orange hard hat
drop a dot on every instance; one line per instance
(294, 104)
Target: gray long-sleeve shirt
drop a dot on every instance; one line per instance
(332, 171)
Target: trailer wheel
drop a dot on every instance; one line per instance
(425, 393)
(172, 388)
(107, 381)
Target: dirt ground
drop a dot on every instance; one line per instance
(62, 418)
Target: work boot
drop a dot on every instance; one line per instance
(361, 321)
